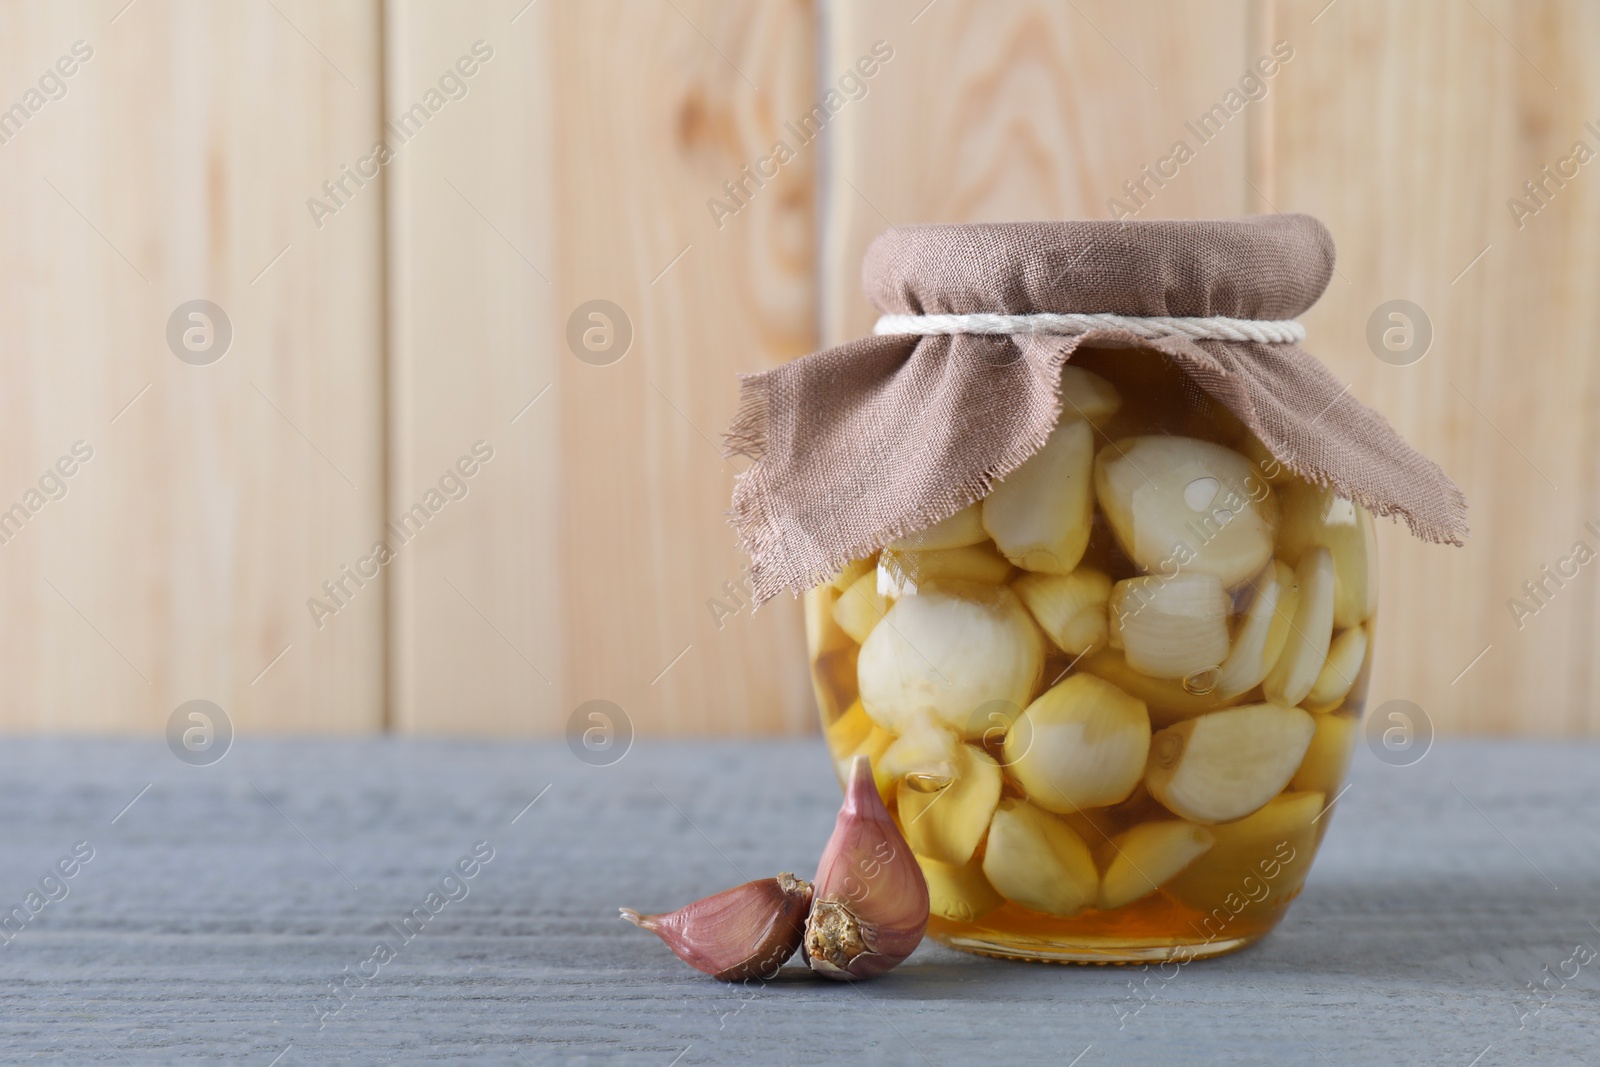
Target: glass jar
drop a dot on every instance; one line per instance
(1112, 703)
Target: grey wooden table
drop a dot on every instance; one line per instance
(219, 908)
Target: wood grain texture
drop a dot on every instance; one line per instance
(176, 166)
(999, 112)
(587, 562)
(1407, 129)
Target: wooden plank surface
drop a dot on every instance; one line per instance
(588, 561)
(1407, 129)
(206, 926)
(175, 163)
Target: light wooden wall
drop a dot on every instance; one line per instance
(583, 562)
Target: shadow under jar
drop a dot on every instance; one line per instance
(1110, 705)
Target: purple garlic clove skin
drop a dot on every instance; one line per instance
(744, 932)
(870, 906)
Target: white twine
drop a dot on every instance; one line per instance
(1210, 328)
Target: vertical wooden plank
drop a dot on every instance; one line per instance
(585, 563)
(1017, 111)
(1411, 131)
(175, 163)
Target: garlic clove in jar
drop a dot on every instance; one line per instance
(946, 821)
(1226, 764)
(952, 648)
(927, 748)
(1035, 859)
(1069, 608)
(1145, 857)
(1261, 637)
(847, 732)
(963, 528)
(872, 748)
(869, 903)
(1040, 515)
(1314, 515)
(852, 570)
(744, 932)
(1305, 650)
(1256, 865)
(971, 563)
(1327, 760)
(1339, 672)
(1186, 503)
(1083, 744)
(1086, 395)
(860, 607)
(1167, 701)
(961, 894)
(823, 634)
(1171, 626)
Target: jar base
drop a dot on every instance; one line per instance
(1091, 950)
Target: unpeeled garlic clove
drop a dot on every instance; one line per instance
(870, 902)
(1087, 395)
(744, 932)
(1306, 648)
(944, 819)
(1261, 637)
(952, 648)
(1145, 857)
(1339, 672)
(963, 528)
(1226, 764)
(1082, 744)
(1315, 515)
(1036, 860)
(1040, 515)
(1180, 501)
(972, 563)
(861, 607)
(1171, 626)
(872, 747)
(1069, 608)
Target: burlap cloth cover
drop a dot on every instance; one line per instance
(867, 442)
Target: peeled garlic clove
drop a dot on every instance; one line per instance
(744, 932)
(870, 901)
(952, 648)
(1082, 744)
(1086, 395)
(1339, 672)
(1035, 859)
(846, 733)
(1305, 650)
(853, 570)
(947, 823)
(1327, 760)
(860, 608)
(963, 528)
(961, 894)
(1167, 701)
(823, 634)
(1144, 858)
(1171, 626)
(1186, 503)
(1260, 640)
(1315, 515)
(973, 563)
(1069, 608)
(1040, 515)
(1224, 765)
(928, 749)
(1257, 864)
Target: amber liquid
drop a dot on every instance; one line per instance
(1226, 900)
